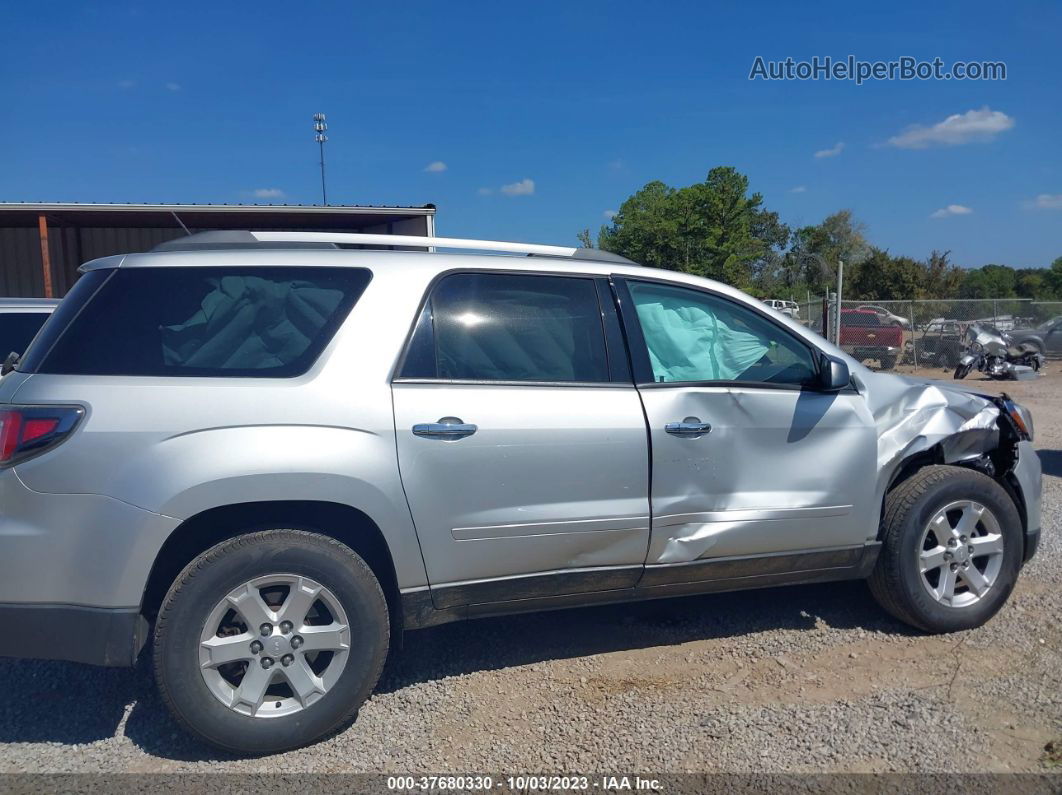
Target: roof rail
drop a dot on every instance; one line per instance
(245, 239)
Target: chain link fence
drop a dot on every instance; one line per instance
(925, 333)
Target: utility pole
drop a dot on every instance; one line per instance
(319, 127)
(840, 286)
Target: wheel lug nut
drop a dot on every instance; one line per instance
(951, 542)
(954, 566)
(285, 627)
(947, 556)
(971, 549)
(255, 647)
(296, 642)
(267, 662)
(287, 659)
(266, 629)
(963, 539)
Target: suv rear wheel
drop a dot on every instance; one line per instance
(270, 640)
(952, 549)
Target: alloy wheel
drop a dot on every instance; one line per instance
(961, 553)
(274, 645)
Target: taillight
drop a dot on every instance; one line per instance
(26, 431)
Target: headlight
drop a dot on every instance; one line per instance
(976, 347)
(1022, 417)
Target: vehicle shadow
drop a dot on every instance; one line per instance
(1051, 462)
(86, 704)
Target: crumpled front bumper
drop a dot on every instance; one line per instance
(1028, 477)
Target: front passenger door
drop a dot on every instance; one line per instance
(750, 463)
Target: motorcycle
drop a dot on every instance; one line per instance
(994, 353)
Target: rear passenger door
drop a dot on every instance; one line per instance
(521, 439)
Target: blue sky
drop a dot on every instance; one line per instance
(211, 102)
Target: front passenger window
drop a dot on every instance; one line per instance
(696, 336)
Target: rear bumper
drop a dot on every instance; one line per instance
(98, 636)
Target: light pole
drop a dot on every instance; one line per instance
(840, 287)
(319, 127)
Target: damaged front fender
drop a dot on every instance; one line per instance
(924, 418)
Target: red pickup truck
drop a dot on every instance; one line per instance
(864, 335)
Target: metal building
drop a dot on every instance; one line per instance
(42, 244)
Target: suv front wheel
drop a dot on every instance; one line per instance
(951, 549)
(270, 640)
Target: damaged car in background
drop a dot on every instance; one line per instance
(310, 449)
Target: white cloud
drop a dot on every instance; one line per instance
(435, 167)
(268, 193)
(485, 191)
(173, 86)
(798, 189)
(959, 128)
(1046, 201)
(609, 214)
(833, 151)
(524, 187)
(950, 210)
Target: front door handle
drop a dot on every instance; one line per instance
(446, 428)
(691, 426)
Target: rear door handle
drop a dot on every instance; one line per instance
(446, 428)
(691, 426)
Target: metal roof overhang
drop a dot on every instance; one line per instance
(43, 243)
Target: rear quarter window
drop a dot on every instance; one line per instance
(199, 321)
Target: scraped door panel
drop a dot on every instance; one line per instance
(553, 482)
(780, 471)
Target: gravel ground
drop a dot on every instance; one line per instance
(812, 678)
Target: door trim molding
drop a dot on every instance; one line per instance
(619, 524)
(750, 515)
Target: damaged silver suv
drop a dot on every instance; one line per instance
(266, 455)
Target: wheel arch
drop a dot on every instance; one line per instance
(910, 466)
(345, 523)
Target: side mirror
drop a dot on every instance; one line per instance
(833, 374)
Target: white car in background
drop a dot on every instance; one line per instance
(789, 308)
(888, 317)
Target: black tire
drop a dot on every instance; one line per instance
(216, 572)
(887, 362)
(896, 582)
(963, 370)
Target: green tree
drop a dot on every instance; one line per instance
(882, 277)
(989, 281)
(942, 279)
(816, 250)
(713, 228)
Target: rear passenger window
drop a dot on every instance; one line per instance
(510, 327)
(202, 321)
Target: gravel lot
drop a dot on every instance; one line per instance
(811, 678)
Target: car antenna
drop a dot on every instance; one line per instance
(185, 228)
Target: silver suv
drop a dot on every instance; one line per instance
(267, 455)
